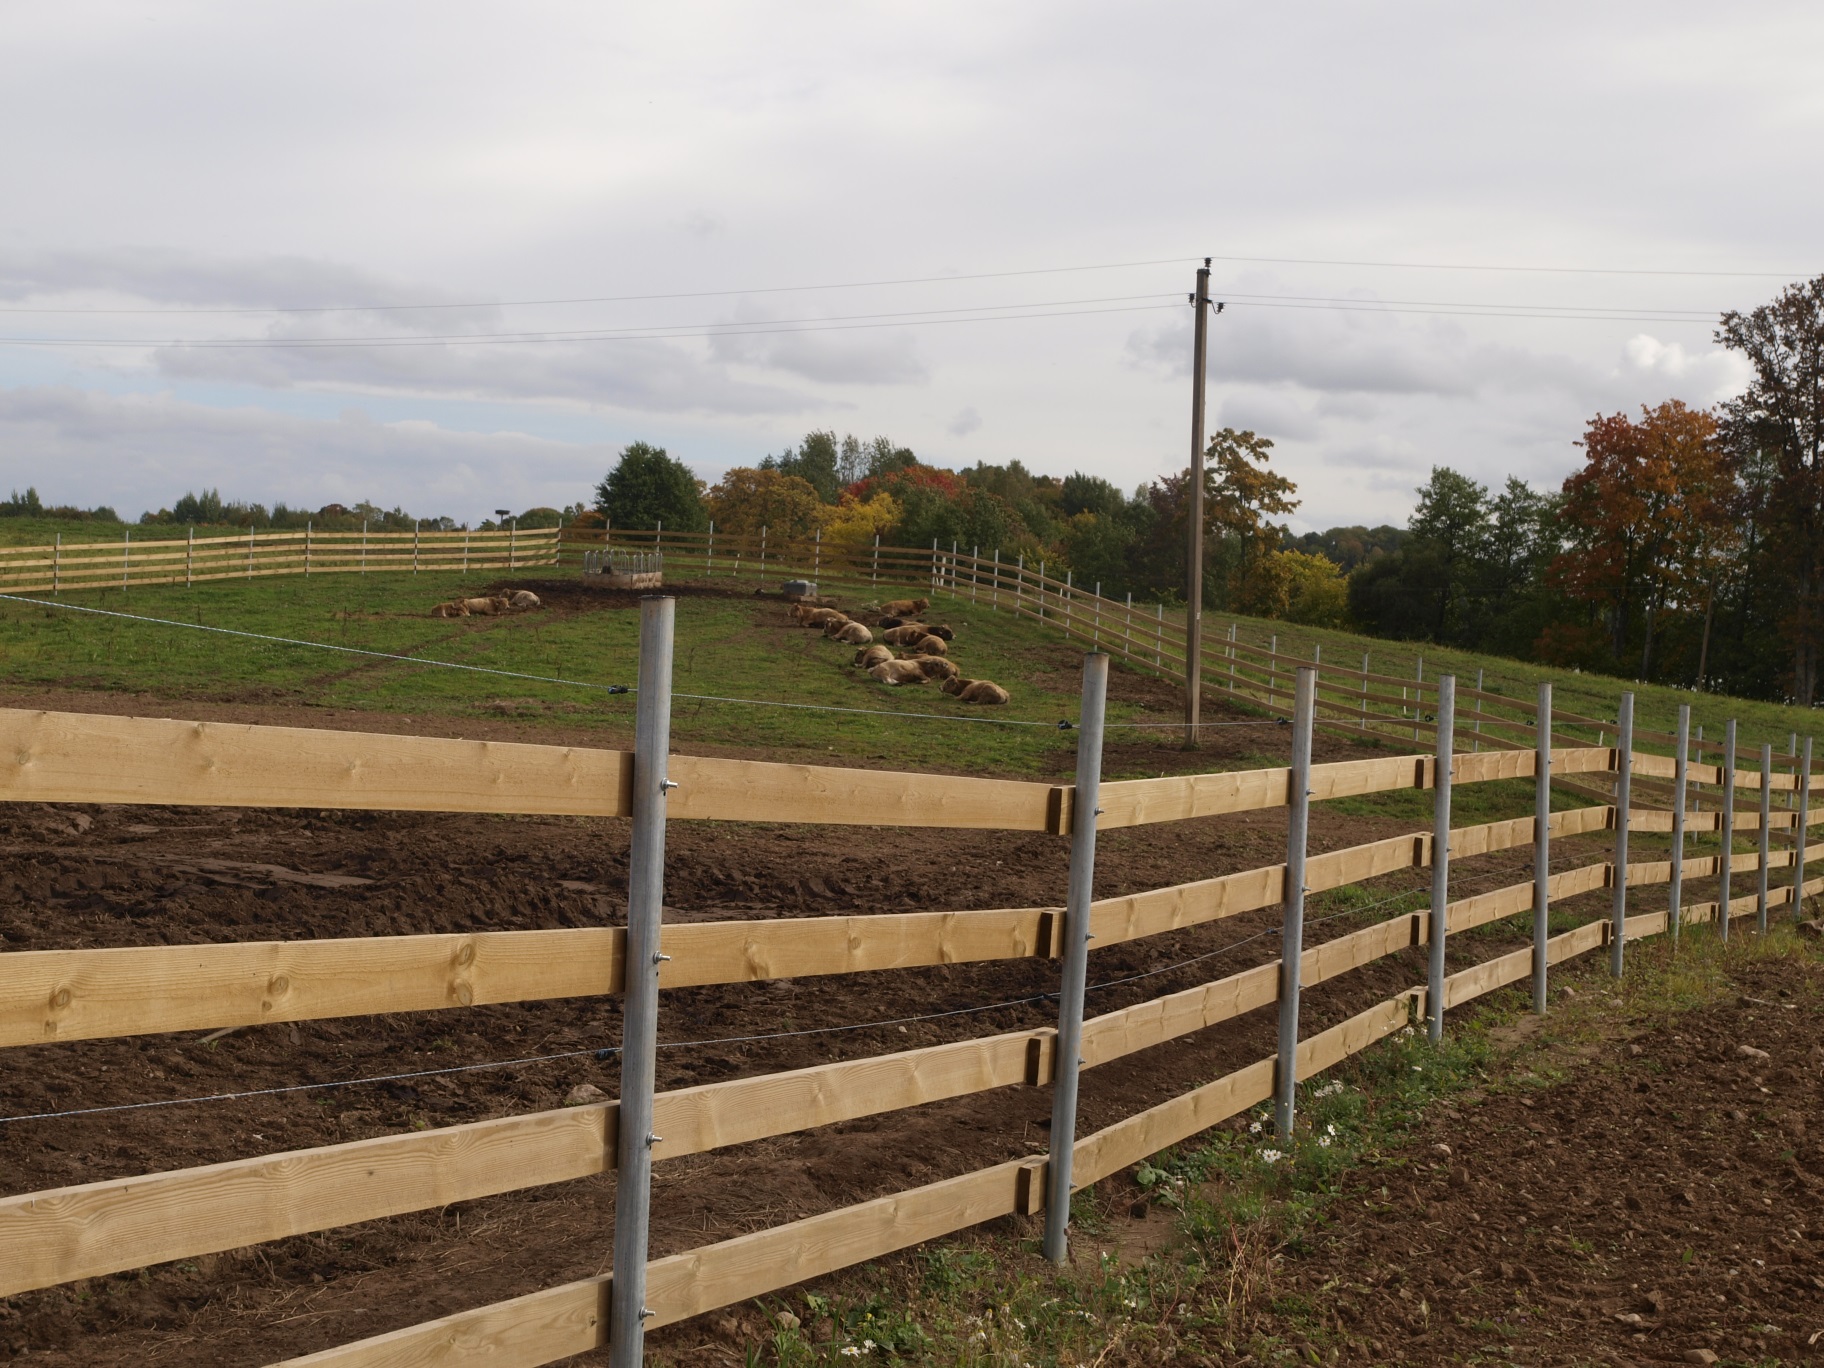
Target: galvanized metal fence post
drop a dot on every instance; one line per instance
(1624, 775)
(1798, 844)
(1068, 1060)
(1801, 832)
(1440, 854)
(1764, 849)
(1292, 931)
(1478, 723)
(640, 1019)
(1542, 848)
(1726, 859)
(1680, 766)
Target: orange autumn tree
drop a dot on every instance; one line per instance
(1646, 520)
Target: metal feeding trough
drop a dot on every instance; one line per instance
(624, 569)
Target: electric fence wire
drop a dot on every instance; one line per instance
(603, 1053)
(1060, 725)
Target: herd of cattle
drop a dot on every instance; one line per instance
(924, 648)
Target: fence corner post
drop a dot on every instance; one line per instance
(1075, 975)
(1624, 774)
(1542, 849)
(1292, 900)
(1726, 859)
(1798, 851)
(1440, 854)
(641, 961)
(1680, 775)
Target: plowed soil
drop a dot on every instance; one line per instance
(1662, 1203)
(130, 876)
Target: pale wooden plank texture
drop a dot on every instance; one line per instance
(1328, 1048)
(1126, 1142)
(766, 791)
(51, 995)
(689, 1284)
(1483, 978)
(1113, 920)
(1166, 1018)
(541, 1327)
(49, 757)
(94, 1228)
(1136, 802)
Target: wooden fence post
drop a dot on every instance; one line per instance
(1542, 848)
(1798, 851)
(126, 555)
(1069, 1047)
(1624, 773)
(640, 1012)
(1292, 900)
(190, 558)
(250, 551)
(953, 568)
(57, 565)
(307, 525)
(465, 549)
(1760, 888)
(1728, 828)
(1680, 774)
(1440, 852)
(414, 546)
(364, 546)
(1478, 722)
(513, 543)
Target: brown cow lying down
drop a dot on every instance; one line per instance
(975, 690)
(871, 656)
(943, 632)
(905, 608)
(852, 634)
(524, 598)
(818, 617)
(928, 645)
(905, 634)
(472, 607)
(899, 672)
(935, 667)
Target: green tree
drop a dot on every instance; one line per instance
(648, 488)
(1450, 528)
(818, 462)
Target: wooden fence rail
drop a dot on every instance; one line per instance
(91, 1229)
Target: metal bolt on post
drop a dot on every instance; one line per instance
(1725, 859)
(1292, 933)
(640, 1012)
(1798, 845)
(1440, 855)
(1760, 888)
(1680, 767)
(1542, 848)
(1075, 975)
(1624, 774)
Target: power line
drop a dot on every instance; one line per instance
(1530, 270)
(602, 335)
(620, 299)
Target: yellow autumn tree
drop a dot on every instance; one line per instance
(854, 524)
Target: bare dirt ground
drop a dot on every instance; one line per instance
(124, 876)
(1661, 1203)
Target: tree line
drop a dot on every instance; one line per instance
(1687, 547)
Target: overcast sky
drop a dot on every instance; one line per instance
(206, 164)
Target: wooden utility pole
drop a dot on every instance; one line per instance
(1193, 612)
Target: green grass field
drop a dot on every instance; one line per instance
(735, 646)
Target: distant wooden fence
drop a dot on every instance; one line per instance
(1351, 701)
(97, 1228)
(253, 554)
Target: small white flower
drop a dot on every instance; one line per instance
(1270, 1156)
(1330, 1129)
(1323, 1142)
(867, 1346)
(1132, 1304)
(1417, 1069)
(1254, 1129)
(850, 1351)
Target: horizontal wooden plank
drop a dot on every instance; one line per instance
(1127, 1142)
(1340, 867)
(1329, 1048)
(84, 1231)
(1344, 953)
(1581, 940)
(95, 1228)
(1468, 913)
(1471, 983)
(767, 791)
(1166, 1018)
(51, 757)
(1136, 802)
(1113, 920)
(1646, 924)
(53, 995)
